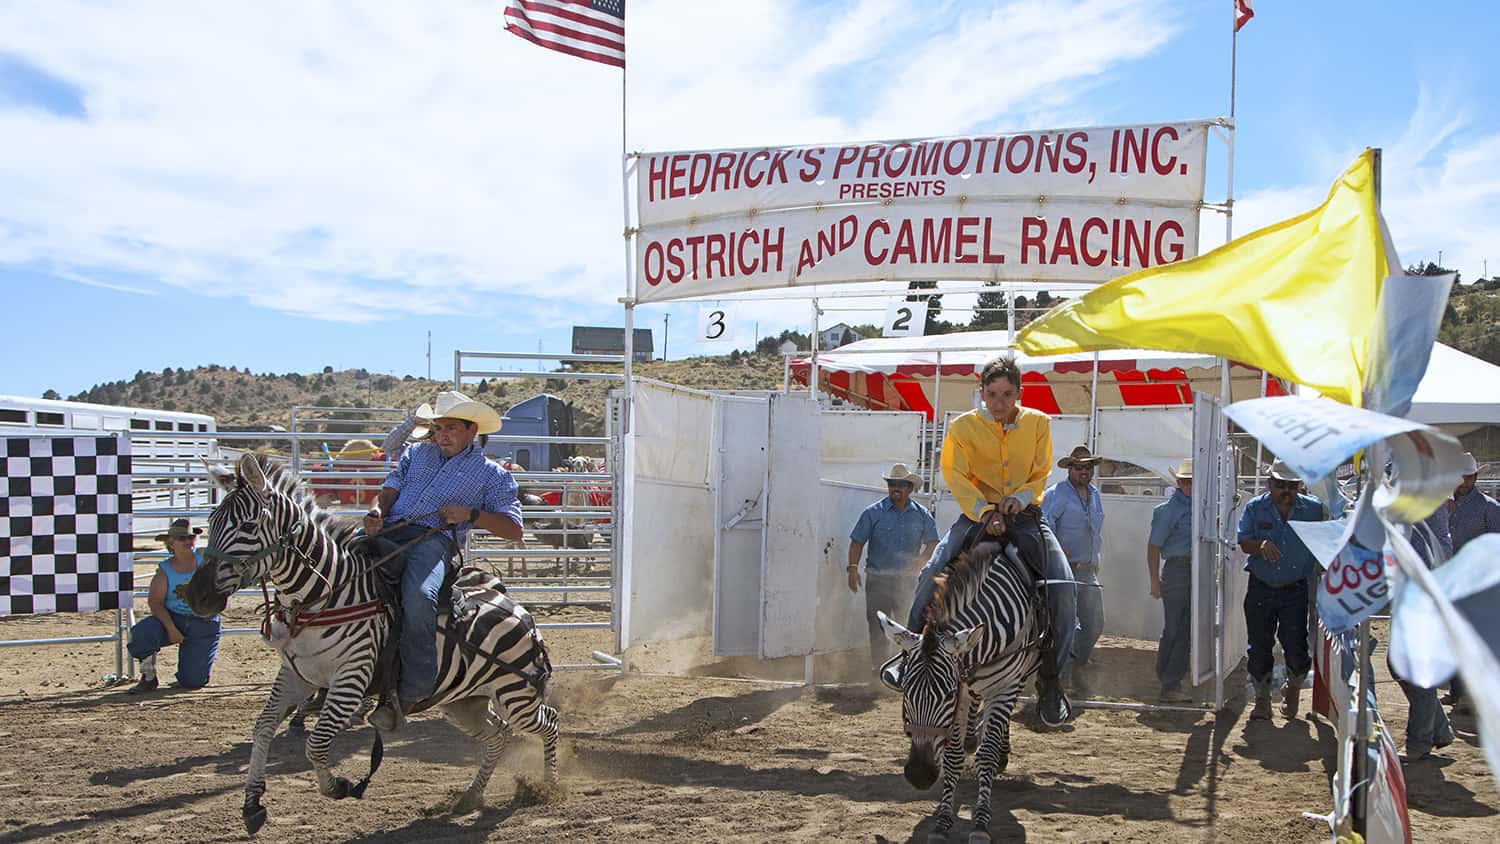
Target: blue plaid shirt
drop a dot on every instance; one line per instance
(426, 480)
(1473, 515)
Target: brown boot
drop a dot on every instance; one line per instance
(1262, 709)
(1291, 698)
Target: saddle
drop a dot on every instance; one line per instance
(1024, 531)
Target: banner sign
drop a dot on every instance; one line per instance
(1075, 205)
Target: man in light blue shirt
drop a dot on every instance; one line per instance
(439, 487)
(1276, 600)
(1169, 557)
(1075, 512)
(900, 534)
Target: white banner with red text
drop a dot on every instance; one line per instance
(1076, 205)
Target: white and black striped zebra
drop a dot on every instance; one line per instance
(979, 644)
(490, 679)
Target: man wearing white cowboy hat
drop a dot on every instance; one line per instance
(1169, 556)
(1276, 599)
(1471, 514)
(443, 483)
(901, 535)
(1075, 511)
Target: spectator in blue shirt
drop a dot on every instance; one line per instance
(445, 483)
(1075, 512)
(1276, 600)
(171, 621)
(900, 534)
(1471, 513)
(1427, 725)
(1169, 557)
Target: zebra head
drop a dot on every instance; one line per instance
(243, 533)
(931, 680)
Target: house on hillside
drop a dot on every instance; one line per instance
(836, 335)
(599, 340)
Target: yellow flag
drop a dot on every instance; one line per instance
(1296, 299)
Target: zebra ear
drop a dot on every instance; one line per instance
(904, 639)
(962, 641)
(251, 474)
(221, 475)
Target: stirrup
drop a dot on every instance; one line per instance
(890, 673)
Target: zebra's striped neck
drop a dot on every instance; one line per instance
(316, 557)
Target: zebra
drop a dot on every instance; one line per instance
(978, 646)
(331, 625)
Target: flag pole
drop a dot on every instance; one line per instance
(629, 300)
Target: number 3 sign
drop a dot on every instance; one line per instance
(713, 326)
(905, 319)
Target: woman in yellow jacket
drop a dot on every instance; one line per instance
(996, 460)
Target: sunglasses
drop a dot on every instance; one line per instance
(1285, 484)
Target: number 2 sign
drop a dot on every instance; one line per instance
(905, 319)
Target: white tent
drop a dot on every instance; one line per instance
(1459, 392)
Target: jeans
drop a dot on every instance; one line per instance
(1177, 621)
(421, 568)
(1276, 614)
(196, 653)
(1426, 722)
(1062, 598)
(884, 591)
(1090, 611)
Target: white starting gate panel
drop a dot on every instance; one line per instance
(740, 446)
(790, 563)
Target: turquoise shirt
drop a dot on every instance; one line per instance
(1261, 520)
(177, 581)
(1172, 526)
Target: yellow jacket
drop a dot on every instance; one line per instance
(984, 461)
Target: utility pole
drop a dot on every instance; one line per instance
(1440, 259)
(666, 321)
(429, 355)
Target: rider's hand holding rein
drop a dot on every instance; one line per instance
(374, 521)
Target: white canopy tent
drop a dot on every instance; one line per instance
(1459, 392)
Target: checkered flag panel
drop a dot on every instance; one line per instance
(65, 521)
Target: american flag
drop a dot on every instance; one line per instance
(588, 29)
(1242, 13)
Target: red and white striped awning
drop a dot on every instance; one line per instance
(902, 373)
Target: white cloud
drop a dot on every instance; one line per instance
(343, 162)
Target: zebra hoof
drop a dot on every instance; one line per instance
(340, 789)
(468, 803)
(255, 818)
(979, 836)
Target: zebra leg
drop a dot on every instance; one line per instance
(309, 706)
(346, 693)
(953, 765)
(525, 711)
(473, 716)
(971, 731)
(994, 755)
(286, 693)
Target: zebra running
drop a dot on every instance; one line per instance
(331, 625)
(978, 646)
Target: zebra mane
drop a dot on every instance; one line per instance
(284, 481)
(959, 584)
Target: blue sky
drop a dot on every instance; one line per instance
(284, 188)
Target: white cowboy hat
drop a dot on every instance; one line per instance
(900, 474)
(1184, 469)
(1471, 466)
(1282, 472)
(452, 404)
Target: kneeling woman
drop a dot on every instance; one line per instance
(171, 621)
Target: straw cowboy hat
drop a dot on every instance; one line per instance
(1080, 456)
(1282, 472)
(1184, 469)
(900, 474)
(1471, 466)
(179, 527)
(452, 404)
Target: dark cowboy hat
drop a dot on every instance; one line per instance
(179, 527)
(1080, 456)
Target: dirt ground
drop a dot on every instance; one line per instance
(650, 758)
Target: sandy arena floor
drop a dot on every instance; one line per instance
(648, 758)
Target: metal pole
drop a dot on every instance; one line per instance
(1094, 406)
(812, 371)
